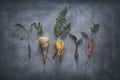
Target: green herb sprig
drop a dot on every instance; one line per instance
(94, 29)
(39, 27)
(60, 28)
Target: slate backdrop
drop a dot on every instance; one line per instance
(104, 63)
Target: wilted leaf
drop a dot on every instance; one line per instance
(73, 37)
(20, 25)
(79, 41)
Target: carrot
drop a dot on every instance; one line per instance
(60, 31)
(43, 40)
(89, 48)
(94, 29)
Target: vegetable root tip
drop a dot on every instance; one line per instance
(76, 57)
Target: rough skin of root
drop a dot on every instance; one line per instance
(89, 48)
(44, 44)
(44, 55)
(58, 48)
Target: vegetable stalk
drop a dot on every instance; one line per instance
(28, 37)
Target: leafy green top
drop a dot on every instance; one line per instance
(38, 26)
(94, 29)
(60, 22)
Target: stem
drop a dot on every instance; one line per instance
(91, 36)
(28, 35)
(41, 33)
(29, 48)
(76, 52)
(76, 48)
(59, 38)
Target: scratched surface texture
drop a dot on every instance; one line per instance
(104, 63)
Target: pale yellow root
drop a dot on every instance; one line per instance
(60, 54)
(58, 48)
(54, 50)
(44, 55)
(44, 41)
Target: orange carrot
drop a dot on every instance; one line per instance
(89, 48)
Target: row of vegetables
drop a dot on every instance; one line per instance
(61, 28)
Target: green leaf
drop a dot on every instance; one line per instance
(38, 26)
(84, 35)
(66, 29)
(95, 28)
(60, 21)
(34, 24)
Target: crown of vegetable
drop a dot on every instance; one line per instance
(60, 27)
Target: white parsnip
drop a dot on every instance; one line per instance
(43, 40)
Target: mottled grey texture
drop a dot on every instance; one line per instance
(104, 63)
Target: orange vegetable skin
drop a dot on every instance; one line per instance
(58, 48)
(89, 48)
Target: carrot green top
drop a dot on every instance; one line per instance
(94, 29)
(61, 28)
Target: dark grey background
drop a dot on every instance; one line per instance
(82, 14)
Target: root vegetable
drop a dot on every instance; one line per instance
(94, 29)
(60, 31)
(77, 42)
(58, 48)
(43, 40)
(44, 45)
(89, 48)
